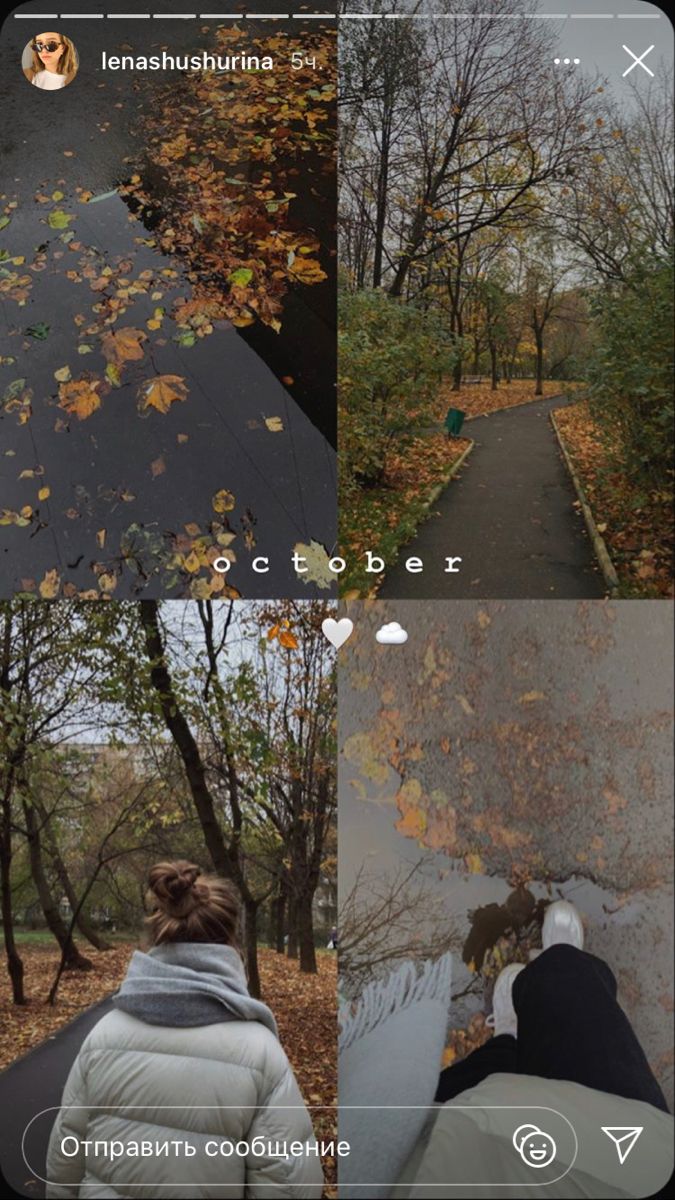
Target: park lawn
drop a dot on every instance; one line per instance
(305, 1007)
(637, 527)
(477, 399)
(384, 518)
(42, 937)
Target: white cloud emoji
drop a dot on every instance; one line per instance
(392, 634)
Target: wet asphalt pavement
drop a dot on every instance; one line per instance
(509, 515)
(520, 742)
(110, 495)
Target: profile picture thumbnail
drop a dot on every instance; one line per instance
(50, 61)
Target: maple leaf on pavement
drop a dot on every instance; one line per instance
(79, 397)
(161, 392)
(123, 345)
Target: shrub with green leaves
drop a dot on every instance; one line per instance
(391, 358)
(631, 373)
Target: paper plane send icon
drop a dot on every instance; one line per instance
(624, 1138)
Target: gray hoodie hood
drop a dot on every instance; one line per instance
(189, 983)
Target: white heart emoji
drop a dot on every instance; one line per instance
(337, 632)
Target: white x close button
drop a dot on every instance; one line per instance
(638, 61)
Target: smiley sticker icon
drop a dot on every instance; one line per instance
(536, 1148)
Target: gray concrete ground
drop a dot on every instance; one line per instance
(509, 514)
(519, 742)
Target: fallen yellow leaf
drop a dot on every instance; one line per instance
(223, 501)
(49, 586)
(123, 345)
(79, 398)
(160, 393)
(192, 563)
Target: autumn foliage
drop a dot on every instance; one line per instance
(479, 399)
(635, 522)
(392, 358)
(227, 147)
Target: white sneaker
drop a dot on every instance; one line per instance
(562, 926)
(503, 1017)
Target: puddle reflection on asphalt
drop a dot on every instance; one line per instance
(486, 922)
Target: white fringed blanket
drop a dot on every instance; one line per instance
(390, 1048)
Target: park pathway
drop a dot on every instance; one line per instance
(509, 514)
(31, 1084)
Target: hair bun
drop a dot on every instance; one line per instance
(173, 885)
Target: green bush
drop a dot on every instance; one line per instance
(391, 358)
(631, 372)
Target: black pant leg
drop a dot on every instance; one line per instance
(571, 1026)
(498, 1054)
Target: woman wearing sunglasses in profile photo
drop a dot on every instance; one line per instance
(186, 1058)
(50, 61)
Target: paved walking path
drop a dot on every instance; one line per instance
(509, 514)
(31, 1084)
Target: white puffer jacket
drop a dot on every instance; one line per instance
(227, 1082)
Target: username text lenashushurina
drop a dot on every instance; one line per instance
(186, 62)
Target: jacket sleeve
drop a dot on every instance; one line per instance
(283, 1118)
(64, 1172)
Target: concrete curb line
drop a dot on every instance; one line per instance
(444, 481)
(431, 499)
(599, 545)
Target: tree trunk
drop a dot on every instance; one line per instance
(74, 961)
(292, 944)
(51, 999)
(251, 946)
(278, 920)
(86, 929)
(539, 389)
(493, 367)
(178, 727)
(381, 205)
(306, 935)
(14, 963)
(456, 328)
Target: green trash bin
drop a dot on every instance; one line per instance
(454, 421)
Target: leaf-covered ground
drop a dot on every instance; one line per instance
(24, 1027)
(638, 527)
(228, 147)
(305, 1007)
(478, 399)
(384, 519)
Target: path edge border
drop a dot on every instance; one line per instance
(431, 499)
(599, 544)
(445, 479)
